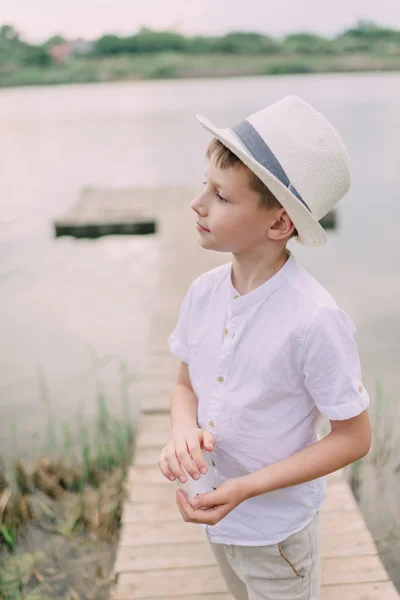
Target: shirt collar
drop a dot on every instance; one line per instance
(263, 291)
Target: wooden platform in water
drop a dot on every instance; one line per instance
(161, 557)
(100, 212)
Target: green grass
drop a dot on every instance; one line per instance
(75, 491)
(167, 65)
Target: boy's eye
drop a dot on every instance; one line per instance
(216, 193)
(220, 197)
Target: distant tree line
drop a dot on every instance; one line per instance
(365, 37)
(14, 50)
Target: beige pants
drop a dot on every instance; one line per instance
(290, 570)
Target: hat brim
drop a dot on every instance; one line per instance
(310, 231)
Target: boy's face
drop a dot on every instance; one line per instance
(230, 210)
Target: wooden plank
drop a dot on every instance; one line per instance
(150, 422)
(150, 402)
(137, 513)
(339, 497)
(349, 521)
(155, 439)
(211, 596)
(145, 475)
(360, 591)
(153, 430)
(149, 494)
(146, 456)
(156, 385)
(154, 394)
(348, 544)
(172, 583)
(162, 532)
(167, 556)
(359, 569)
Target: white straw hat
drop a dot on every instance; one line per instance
(298, 155)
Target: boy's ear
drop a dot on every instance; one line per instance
(283, 225)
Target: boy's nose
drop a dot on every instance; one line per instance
(198, 205)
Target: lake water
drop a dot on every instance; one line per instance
(68, 308)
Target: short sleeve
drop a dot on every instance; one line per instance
(178, 340)
(331, 366)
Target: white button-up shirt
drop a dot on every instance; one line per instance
(267, 368)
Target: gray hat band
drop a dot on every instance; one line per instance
(263, 154)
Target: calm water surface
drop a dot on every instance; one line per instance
(68, 309)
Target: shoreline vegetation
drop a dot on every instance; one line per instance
(60, 516)
(168, 55)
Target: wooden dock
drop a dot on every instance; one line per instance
(100, 212)
(160, 557)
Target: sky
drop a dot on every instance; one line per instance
(37, 20)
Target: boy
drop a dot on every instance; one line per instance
(266, 355)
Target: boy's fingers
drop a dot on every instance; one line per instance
(179, 504)
(194, 515)
(186, 459)
(175, 466)
(208, 440)
(186, 506)
(187, 510)
(165, 470)
(205, 500)
(193, 445)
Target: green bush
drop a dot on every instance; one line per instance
(108, 44)
(288, 68)
(368, 37)
(240, 42)
(145, 41)
(307, 43)
(36, 56)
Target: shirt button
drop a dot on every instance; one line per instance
(220, 379)
(234, 297)
(225, 331)
(211, 423)
(360, 387)
(213, 463)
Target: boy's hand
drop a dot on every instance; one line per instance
(212, 507)
(186, 445)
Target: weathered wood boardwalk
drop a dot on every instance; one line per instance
(161, 557)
